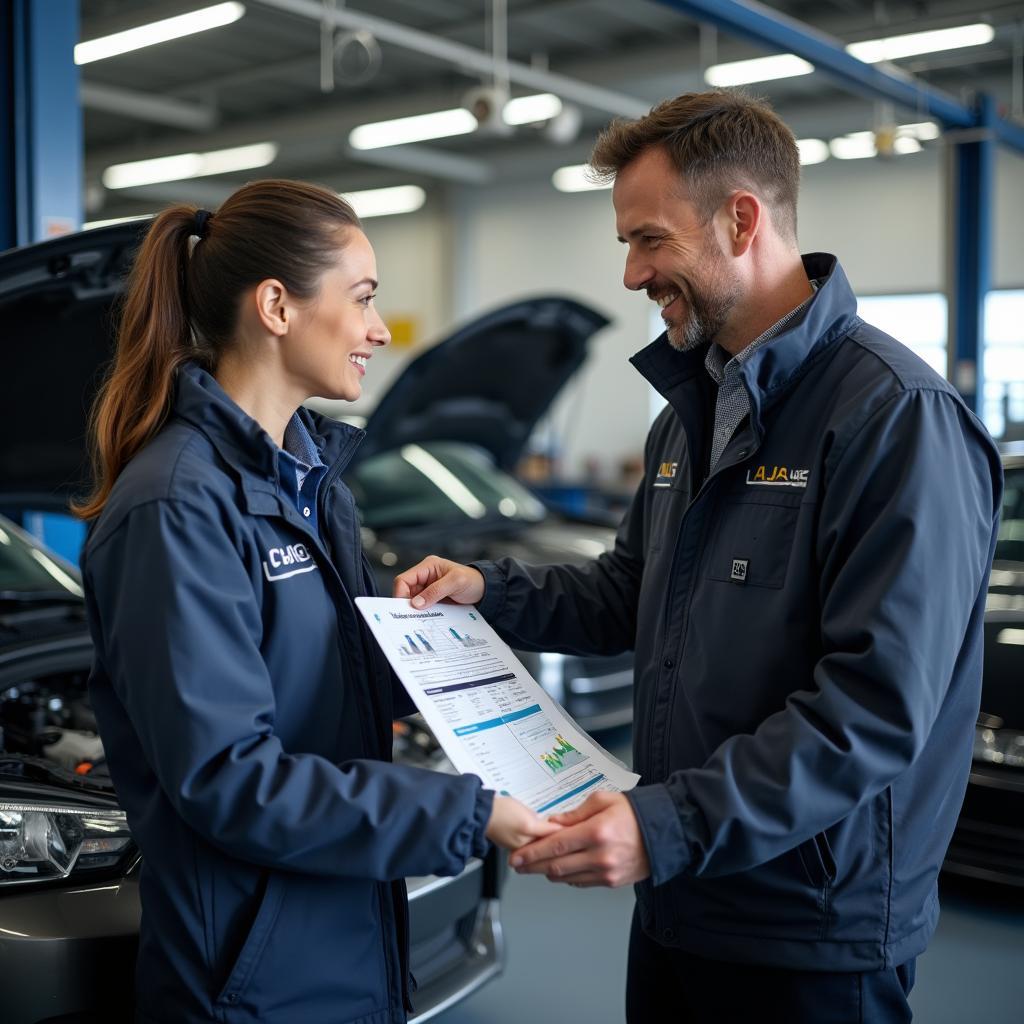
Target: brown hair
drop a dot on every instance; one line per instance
(182, 301)
(718, 141)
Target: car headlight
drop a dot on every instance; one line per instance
(999, 746)
(44, 842)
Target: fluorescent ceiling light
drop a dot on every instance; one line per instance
(576, 178)
(90, 224)
(189, 165)
(382, 202)
(924, 131)
(904, 144)
(871, 51)
(760, 69)
(158, 32)
(1010, 636)
(439, 125)
(531, 109)
(855, 146)
(812, 151)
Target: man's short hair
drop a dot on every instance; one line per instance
(719, 141)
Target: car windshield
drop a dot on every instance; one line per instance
(1010, 545)
(437, 483)
(28, 572)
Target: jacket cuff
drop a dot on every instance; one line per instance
(495, 589)
(481, 817)
(662, 829)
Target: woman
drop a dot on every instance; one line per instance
(245, 713)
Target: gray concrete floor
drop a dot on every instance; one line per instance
(567, 954)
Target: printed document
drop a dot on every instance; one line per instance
(491, 717)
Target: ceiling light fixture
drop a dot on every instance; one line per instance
(531, 109)
(871, 51)
(812, 151)
(759, 69)
(383, 202)
(441, 124)
(158, 32)
(854, 146)
(189, 165)
(576, 178)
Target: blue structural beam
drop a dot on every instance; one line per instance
(40, 121)
(973, 184)
(769, 28)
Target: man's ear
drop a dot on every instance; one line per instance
(745, 214)
(272, 306)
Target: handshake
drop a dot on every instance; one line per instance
(600, 842)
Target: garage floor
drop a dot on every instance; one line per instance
(567, 949)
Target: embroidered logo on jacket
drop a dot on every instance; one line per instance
(777, 476)
(666, 474)
(288, 561)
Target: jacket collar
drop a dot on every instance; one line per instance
(242, 442)
(774, 367)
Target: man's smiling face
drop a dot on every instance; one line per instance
(674, 253)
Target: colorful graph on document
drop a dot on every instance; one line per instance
(562, 756)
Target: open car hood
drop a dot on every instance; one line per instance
(56, 299)
(489, 382)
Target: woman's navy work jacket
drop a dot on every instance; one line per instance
(246, 717)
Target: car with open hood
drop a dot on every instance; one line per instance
(435, 473)
(69, 902)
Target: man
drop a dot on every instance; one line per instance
(802, 575)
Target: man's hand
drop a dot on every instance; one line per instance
(436, 578)
(512, 824)
(599, 844)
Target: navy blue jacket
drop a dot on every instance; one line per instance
(246, 716)
(807, 620)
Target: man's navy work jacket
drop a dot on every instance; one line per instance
(247, 717)
(807, 622)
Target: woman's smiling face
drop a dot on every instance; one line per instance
(337, 331)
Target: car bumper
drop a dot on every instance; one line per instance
(67, 956)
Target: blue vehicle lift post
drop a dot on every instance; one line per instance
(40, 157)
(973, 131)
(40, 121)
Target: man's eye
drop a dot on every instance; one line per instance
(652, 239)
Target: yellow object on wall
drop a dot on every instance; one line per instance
(405, 330)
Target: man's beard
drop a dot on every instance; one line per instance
(707, 309)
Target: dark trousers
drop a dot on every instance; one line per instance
(670, 986)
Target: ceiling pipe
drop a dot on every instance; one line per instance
(147, 107)
(473, 61)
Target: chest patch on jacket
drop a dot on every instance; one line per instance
(666, 474)
(290, 560)
(777, 476)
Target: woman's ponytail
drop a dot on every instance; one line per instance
(154, 338)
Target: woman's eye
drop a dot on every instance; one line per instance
(367, 299)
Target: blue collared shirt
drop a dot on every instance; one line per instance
(300, 469)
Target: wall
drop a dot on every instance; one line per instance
(480, 247)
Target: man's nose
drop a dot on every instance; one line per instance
(638, 274)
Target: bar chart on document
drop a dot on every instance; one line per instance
(490, 716)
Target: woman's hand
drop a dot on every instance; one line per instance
(436, 578)
(513, 824)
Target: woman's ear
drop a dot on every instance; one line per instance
(272, 306)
